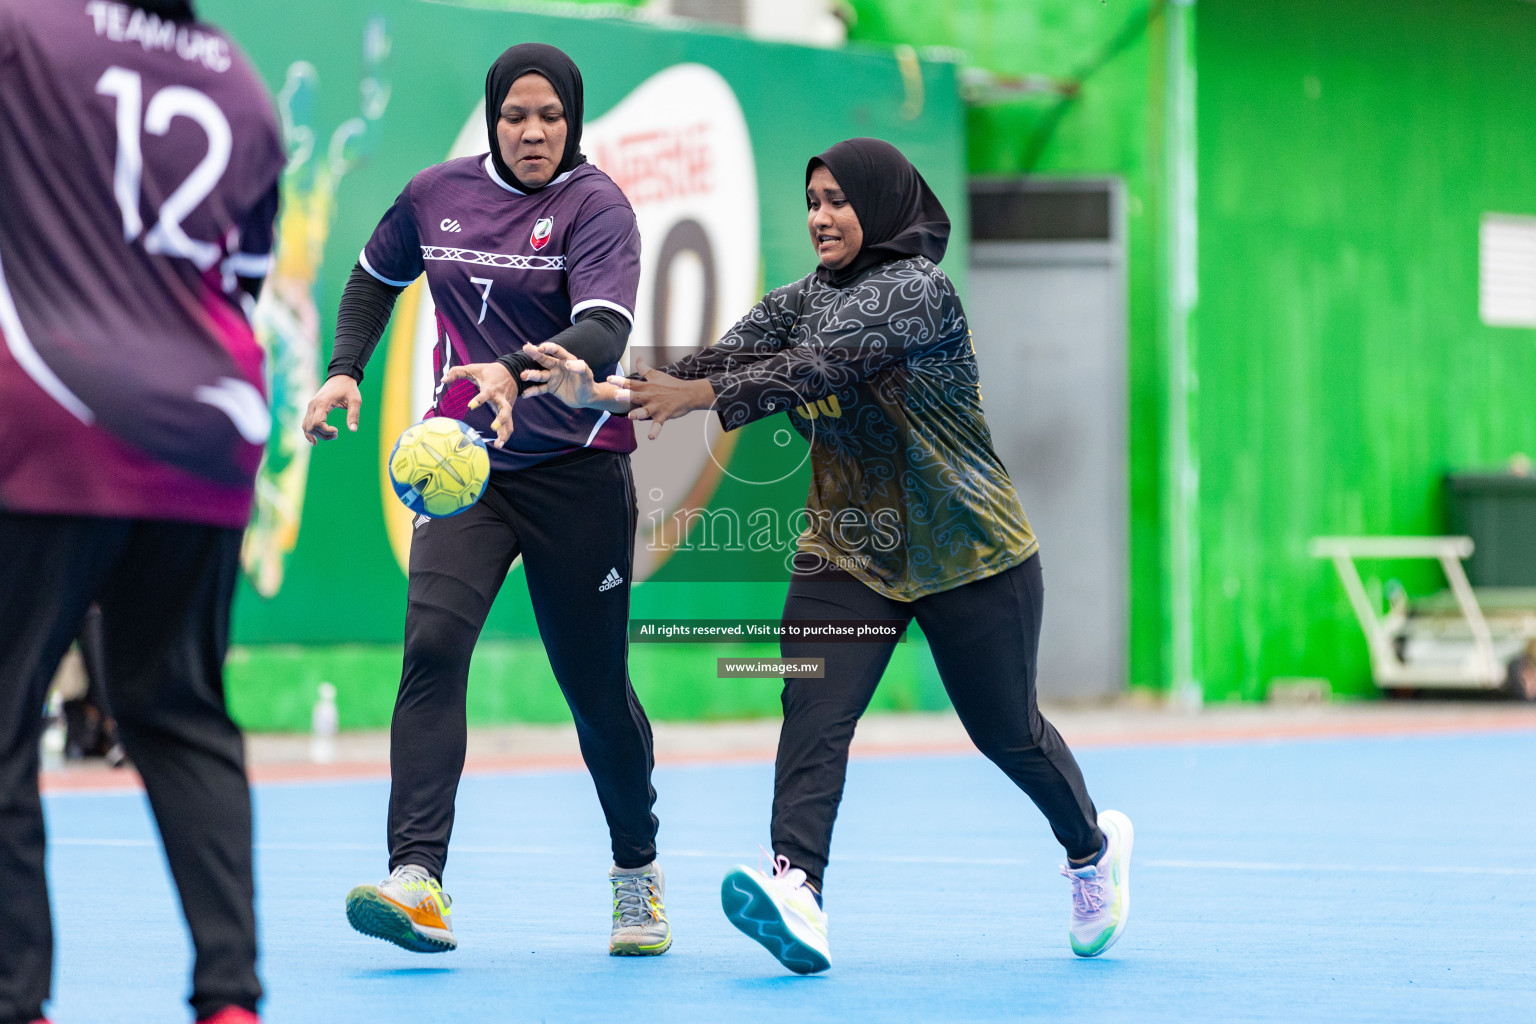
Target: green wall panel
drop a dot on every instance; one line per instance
(273, 687)
(1347, 152)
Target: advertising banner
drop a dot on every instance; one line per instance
(708, 134)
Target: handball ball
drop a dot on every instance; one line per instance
(439, 467)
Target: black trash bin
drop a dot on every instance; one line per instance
(1498, 511)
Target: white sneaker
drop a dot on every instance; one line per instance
(779, 911)
(408, 908)
(1101, 891)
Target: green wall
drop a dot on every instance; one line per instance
(1111, 56)
(1345, 153)
(1347, 150)
(343, 595)
(272, 686)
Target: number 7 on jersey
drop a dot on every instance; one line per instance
(485, 295)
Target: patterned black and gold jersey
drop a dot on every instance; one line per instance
(907, 493)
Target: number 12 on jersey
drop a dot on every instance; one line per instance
(167, 236)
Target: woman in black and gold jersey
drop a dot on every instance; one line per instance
(910, 515)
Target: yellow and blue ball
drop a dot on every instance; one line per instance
(439, 467)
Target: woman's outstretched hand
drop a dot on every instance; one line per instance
(497, 387)
(562, 375)
(570, 379)
(338, 392)
(660, 397)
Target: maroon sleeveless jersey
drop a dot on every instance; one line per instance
(138, 179)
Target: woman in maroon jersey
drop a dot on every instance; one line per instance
(527, 243)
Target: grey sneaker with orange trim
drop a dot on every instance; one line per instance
(408, 908)
(640, 926)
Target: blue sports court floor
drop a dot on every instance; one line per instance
(1376, 879)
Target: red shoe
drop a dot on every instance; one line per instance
(231, 1015)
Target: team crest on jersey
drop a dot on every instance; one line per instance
(541, 232)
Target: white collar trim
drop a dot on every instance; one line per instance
(490, 168)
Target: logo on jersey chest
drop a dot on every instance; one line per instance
(541, 232)
(821, 407)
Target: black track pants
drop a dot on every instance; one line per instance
(984, 637)
(573, 521)
(164, 591)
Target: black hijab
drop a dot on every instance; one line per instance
(899, 213)
(562, 74)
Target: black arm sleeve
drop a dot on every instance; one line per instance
(598, 336)
(366, 303)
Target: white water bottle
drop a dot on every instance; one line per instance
(52, 746)
(323, 723)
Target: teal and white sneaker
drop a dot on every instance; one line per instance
(1101, 891)
(781, 913)
(640, 926)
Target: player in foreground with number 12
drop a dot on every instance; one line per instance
(526, 244)
(139, 164)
